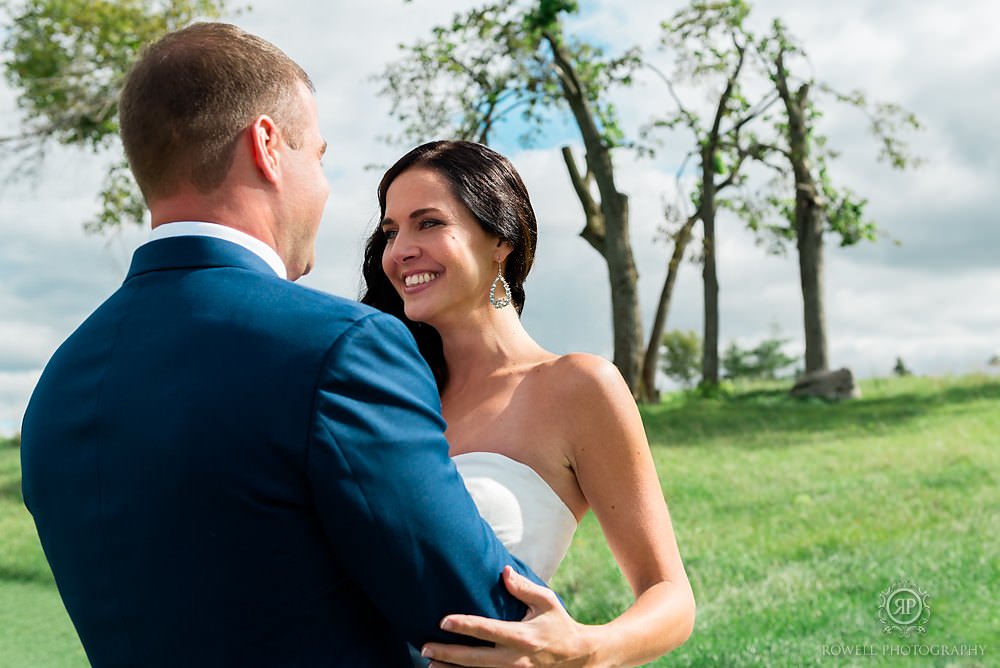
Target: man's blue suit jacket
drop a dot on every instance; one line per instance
(228, 469)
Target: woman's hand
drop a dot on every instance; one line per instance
(547, 636)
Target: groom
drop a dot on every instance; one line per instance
(225, 468)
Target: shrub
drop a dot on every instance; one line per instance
(681, 356)
(764, 360)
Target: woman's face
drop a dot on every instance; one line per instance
(437, 256)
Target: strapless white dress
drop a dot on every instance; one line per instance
(527, 515)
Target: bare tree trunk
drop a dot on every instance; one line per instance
(617, 247)
(710, 344)
(709, 189)
(624, 291)
(810, 245)
(809, 220)
(649, 392)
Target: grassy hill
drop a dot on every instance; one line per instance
(792, 517)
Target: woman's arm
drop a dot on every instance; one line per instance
(614, 467)
(615, 470)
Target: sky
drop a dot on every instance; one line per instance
(926, 291)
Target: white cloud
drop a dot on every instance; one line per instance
(26, 345)
(15, 388)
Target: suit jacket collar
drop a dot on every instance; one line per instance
(194, 252)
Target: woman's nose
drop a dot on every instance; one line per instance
(403, 248)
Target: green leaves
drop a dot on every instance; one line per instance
(67, 60)
(545, 17)
(495, 62)
(765, 360)
(120, 200)
(681, 356)
(708, 39)
(455, 83)
(845, 212)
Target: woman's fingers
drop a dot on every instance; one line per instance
(445, 656)
(535, 596)
(483, 628)
(515, 642)
(441, 664)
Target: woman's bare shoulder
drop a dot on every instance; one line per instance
(584, 378)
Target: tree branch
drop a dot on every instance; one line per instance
(720, 111)
(762, 106)
(734, 171)
(690, 117)
(593, 230)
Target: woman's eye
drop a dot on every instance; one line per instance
(430, 222)
(390, 234)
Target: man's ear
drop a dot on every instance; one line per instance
(264, 145)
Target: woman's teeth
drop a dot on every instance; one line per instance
(419, 279)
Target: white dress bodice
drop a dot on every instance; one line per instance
(527, 515)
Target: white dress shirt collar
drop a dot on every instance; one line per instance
(200, 229)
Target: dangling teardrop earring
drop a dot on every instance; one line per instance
(499, 303)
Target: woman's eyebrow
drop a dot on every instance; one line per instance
(413, 214)
(420, 212)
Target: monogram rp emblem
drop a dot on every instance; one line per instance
(903, 609)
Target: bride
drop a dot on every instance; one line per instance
(539, 438)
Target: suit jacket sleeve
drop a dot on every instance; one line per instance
(389, 497)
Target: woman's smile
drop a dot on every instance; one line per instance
(419, 278)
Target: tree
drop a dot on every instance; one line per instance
(736, 362)
(681, 359)
(67, 61)
(818, 205)
(680, 237)
(764, 360)
(501, 59)
(710, 41)
(900, 369)
(714, 48)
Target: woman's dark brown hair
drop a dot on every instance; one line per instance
(489, 186)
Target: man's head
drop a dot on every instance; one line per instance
(186, 101)
(211, 106)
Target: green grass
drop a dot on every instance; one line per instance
(35, 630)
(792, 517)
